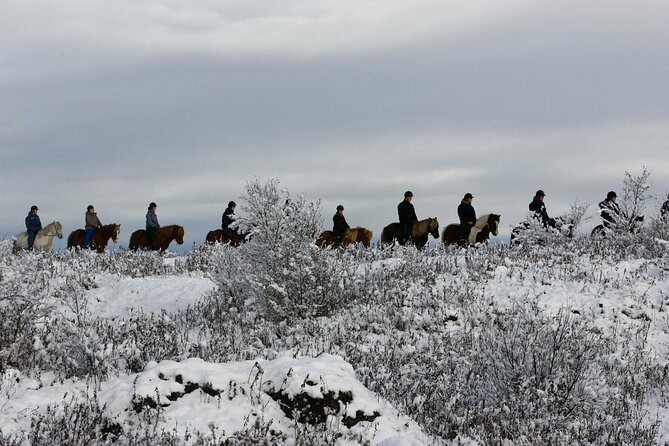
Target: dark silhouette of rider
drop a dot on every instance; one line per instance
(539, 208)
(407, 215)
(664, 211)
(339, 225)
(33, 225)
(227, 219)
(610, 211)
(467, 215)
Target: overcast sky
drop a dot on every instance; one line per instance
(120, 103)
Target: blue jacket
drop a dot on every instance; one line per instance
(33, 223)
(152, 220)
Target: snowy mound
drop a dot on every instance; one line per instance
(194, 395)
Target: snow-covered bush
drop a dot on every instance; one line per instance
(289, 276)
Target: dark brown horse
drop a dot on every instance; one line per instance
(353, 235)
(99, 239)
(480, 233)
(218, 236)
(418, 235)
(161, 238)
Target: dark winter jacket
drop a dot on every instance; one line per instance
(152, 221)
(340, 225)
(665, 209)
(539, 208)
(610, 211)
(33, 223)
(92, 221)
(406, 213)
(466, 213)
(228, 218)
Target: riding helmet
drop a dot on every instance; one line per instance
(34, 208)
(540, 193)
(408, 194)
(611, 194)
(152, 205)
(340, 207)
(90, 206)
(468, 195)
(232, 204)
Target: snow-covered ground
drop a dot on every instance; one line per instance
(428, 348)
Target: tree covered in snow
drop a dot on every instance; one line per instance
(290, 277)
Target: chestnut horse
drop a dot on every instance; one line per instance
(217, 236)
(353, 235)
(480, 232)
(99, 239)
(161, 238)
(418, 234)
(43, 240)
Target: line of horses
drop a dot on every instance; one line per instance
(101, 236)
(419, 234)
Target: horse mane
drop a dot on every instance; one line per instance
(482, 221)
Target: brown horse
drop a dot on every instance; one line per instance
(161, 238)
(218, 236)
(353, 235)
(418, 234)
(99, 239)
(480, 232)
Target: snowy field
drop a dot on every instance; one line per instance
(554, 340)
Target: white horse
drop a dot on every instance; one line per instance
(43, 240)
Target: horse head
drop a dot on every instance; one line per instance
(493, 223)
(179, 234)
(116, 231)
(365, 236)
(433, 227)
(59, 228)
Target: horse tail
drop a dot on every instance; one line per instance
(388, 233)
(135, 238)
(70, 240)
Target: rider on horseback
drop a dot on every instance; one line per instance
(227, 219)
(92, 222)
(539, 208)
(340, 226)
(152, 225)
(610, 211)
(467, 215)
(33, 225)
(664, 211)
(407, 216)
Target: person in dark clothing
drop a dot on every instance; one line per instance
(33, 225)
(610, 211)
(340, 226)
(539, 208)
(664, 211)
(407, 216)
(227, 219)
(467, 215)
(152, 224)
(92, 223)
